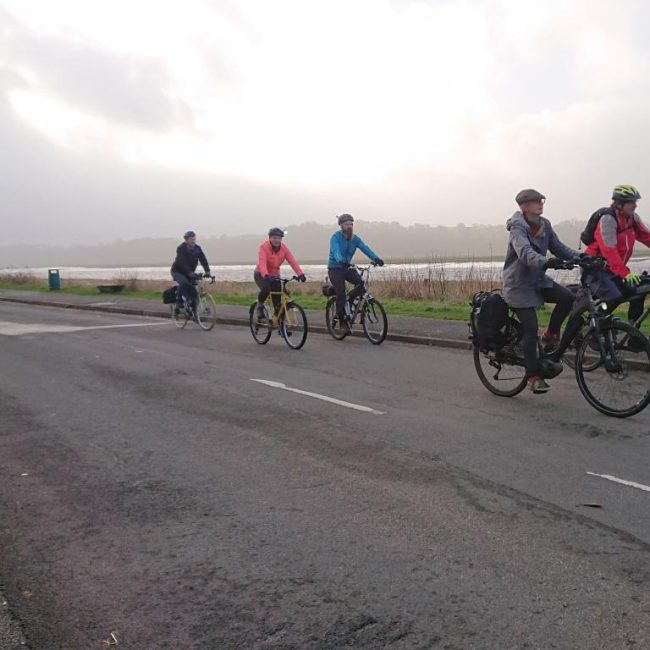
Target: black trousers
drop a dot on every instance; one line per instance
(185, 288)
(563, 300)
(615, 291)
(338, 278)
(267, 285)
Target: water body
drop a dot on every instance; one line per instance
(488, 271)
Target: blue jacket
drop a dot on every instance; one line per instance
(342, 250)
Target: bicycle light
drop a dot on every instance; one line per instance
(603, 306)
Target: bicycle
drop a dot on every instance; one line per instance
(289, 319)
(370, 311)
(204, 310)
(568, 357)
(612, 358)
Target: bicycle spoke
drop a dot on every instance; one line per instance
(619, 384)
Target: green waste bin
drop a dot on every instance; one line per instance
(54, 279)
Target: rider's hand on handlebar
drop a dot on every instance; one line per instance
(556, 263)
(633, 279)
(301, 278)
(379, 261)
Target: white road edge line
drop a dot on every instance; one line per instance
(609, 477)
(325, 398)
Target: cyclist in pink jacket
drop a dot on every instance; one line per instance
(272, 254)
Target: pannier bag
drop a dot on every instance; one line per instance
(489, 318)
(169, 295)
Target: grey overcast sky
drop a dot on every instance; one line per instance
(124, 119)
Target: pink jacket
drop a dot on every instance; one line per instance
(269, 262)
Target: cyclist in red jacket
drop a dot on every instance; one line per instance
(618, 228)
(271, 256)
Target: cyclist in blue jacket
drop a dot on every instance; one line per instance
(343, 246)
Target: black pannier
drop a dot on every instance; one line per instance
(489, 320)
(328, 290)
(169, 295)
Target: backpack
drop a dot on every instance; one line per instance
(169, 296)
(488, 320)
(588, 235)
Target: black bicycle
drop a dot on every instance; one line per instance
(365, 307)
(568, 357)
(612, 357)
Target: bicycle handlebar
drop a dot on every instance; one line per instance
(205, 276)
(593, 264)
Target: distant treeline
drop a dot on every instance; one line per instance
(309, 241)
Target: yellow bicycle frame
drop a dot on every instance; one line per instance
(284, 300)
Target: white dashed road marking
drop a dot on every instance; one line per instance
(325, 398)
(609, 477)
(8, 328)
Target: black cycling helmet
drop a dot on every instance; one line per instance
(276, 232)
(526, 196)
(625, 194)
(188, 234)
(345, 218)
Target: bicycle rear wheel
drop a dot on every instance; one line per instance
(374, 321)
(618, 382)
(206, 312)
(179, 319)
(332, 320)
(261, 328)
(499, 377)
(293, 326)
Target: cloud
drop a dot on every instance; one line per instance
(230, 116)
(133, 90)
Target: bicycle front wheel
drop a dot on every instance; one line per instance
(179, 319)
(261, 326)
(206, 312)
(499, 377)
(374, 321)
(332, 320)
(293, 326)
(615, 381)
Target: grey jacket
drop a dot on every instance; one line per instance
(523, 271)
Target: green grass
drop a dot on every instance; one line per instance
(82, 291)
(454, 311)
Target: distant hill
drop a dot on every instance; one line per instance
(309, 241)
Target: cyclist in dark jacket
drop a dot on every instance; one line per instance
(188, 256)
(525, 283)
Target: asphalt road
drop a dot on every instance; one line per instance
(151, 490)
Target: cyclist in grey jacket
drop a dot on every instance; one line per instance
(525, 283)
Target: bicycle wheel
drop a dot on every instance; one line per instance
(332, 320)
(497, 375)
(293, 326)
(179, 319)
(618, 382)
(206, 312)
(591, 360)
(261, 328)
(374, 321)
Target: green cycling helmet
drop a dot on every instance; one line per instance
(625, 193)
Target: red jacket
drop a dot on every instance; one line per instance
(269, 262)
(615, 238)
